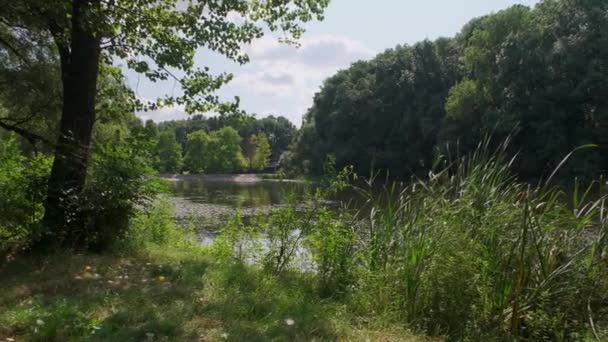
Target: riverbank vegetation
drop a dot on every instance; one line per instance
(541, 71)
(227, 144)
(157, 284)
(468, 254)
(463, 231)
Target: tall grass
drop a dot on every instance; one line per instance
(470, 253)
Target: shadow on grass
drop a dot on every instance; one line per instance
(258, 307)
(110, 298)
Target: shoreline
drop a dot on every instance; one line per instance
(242, 178)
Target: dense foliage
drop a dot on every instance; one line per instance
(469, 253)
(119, 183)
(262, 140)
(541, 72)
(78, 39)
(23, 187)
(215, 152)
(466, 251)
(167, 154)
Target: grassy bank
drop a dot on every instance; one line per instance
(469, 254)
(167, 293)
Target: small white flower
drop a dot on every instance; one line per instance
(290, 321)
(150, 336)
(39, 322)
(225, 336)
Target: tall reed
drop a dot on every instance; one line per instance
(471, 251)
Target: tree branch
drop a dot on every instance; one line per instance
(32, 138)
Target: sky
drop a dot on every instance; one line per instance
(282, 79)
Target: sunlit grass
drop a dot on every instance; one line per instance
(470, 254)
(165, 294)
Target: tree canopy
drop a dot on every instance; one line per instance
(215, 152)
(537, 74)
(167, 153)
(260, 152)
(156, 38)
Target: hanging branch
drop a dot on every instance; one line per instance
(32, 138)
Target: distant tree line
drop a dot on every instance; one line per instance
(230, 143)
(541, 74)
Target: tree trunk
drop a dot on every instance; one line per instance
(61, 223)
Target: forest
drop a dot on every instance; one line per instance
(448, 190)
(538, 75)
(242, 143)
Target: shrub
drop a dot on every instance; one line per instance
(153, 224)
(120, 183)
(331, 244)
(23, 187)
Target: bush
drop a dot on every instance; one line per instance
(272, 240)
(303, 230)
(153, 225)
(331, 243)
(120, 183)
(23, 183)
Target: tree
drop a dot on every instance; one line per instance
(384, 114)
(30, 93)
(153, 37)
(543, 71)
(167, 154)
(249, 149)
(257, 151)
(218, 151)
(279, 131)
(230, 156)
(198, 151)
(262, 153)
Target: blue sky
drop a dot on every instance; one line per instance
(282, 79)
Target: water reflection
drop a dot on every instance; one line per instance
(207, 201)
(232, 192)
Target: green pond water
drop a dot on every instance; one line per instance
(206, 201)
(244, 191)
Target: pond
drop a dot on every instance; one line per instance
(206, 201)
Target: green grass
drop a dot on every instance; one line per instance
(474, 254)
(470, 254)
(166, 294)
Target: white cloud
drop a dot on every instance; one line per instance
(282, 79)
(319, 50)
(164, 114)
